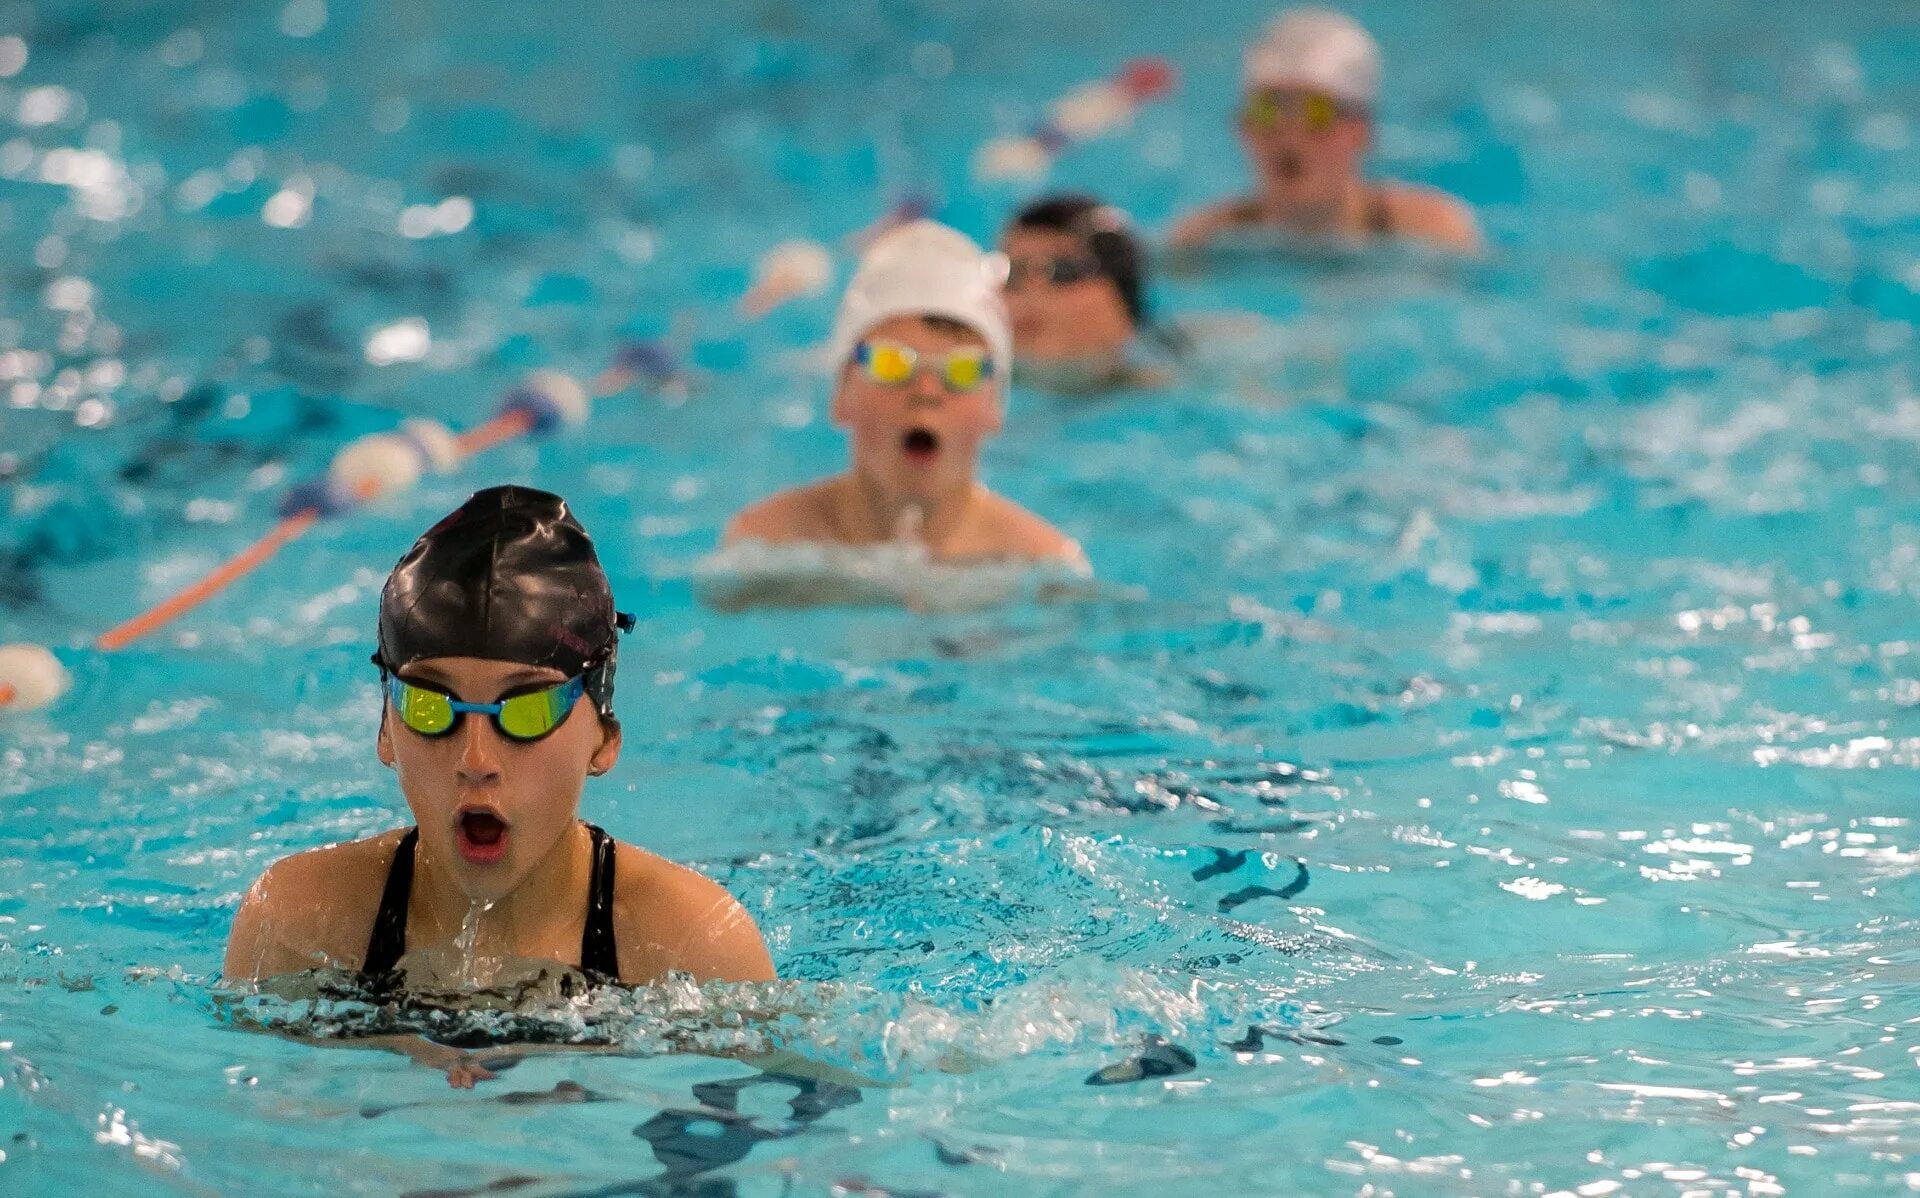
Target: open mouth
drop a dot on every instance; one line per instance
(920, 444)
(1288, 166)
(481, 834)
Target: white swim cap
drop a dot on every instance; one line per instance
(1316, 49)
(924, 268)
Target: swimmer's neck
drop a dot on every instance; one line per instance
(867, 512)
(548, 900)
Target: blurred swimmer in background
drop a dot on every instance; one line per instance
(1077, 295)
(920, 353)
(1306, 125)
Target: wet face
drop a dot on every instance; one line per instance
(921, 439)
(1305, 147)
(491, 808)
(1056, 320)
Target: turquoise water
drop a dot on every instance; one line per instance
(1484, 769)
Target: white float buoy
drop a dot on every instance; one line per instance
(1086, 112)
(436, 443)
(550, 400)
(30, 678)
(380, 464)
(1011, 158)
(568, 399)
(787, 271)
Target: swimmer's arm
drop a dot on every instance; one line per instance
(463, 1067)
(795, 515)
(310, 911)
(752, 524)
(1034, 539)
(271, 938)
(1437, 218)
(253, 952)
(728, 946)
(683, 921)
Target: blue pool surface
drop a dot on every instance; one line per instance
(1485, 767)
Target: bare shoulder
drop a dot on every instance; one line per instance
(313, 909)
(1434, 216)
(1202, 225)
(669, 917)
(799, 514)
(1007, 530)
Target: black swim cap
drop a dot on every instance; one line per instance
(508, 576)
(1108, 236)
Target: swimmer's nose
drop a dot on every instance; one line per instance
(927, 389)
(479, 762)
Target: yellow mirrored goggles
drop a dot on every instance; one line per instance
(527, 716)
(894, 364)
(1319, 113)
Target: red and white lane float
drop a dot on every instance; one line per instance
(373, 467)
(1086, 112)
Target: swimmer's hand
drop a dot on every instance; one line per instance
(463, 1074)
(463, 1069)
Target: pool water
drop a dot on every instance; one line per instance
(1483, 768)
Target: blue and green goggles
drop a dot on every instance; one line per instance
(527, 716)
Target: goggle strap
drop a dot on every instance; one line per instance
(598, 680)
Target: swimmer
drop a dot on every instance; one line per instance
(497, 648)
(1076, 290)
(920, 353)
(1306, 125)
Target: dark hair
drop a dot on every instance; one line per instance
(1108, 236)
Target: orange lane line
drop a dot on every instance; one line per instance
(289, 529)
(612, 381)
(499, 430)
(502, 428)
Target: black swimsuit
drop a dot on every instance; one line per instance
(599, 951)
(1378, 218)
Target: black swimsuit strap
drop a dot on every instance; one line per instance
(1379, 214)
(389, 940)
(599, 951)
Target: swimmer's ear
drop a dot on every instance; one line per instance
(383, 743)
(608, 752)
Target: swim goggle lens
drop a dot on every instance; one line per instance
(1318, 113)
(527, 716)
(894, 364)
(1061, 272)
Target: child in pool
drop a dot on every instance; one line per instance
(1076, 291)
(1306, 125)
(920, 352)
(493, 628)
